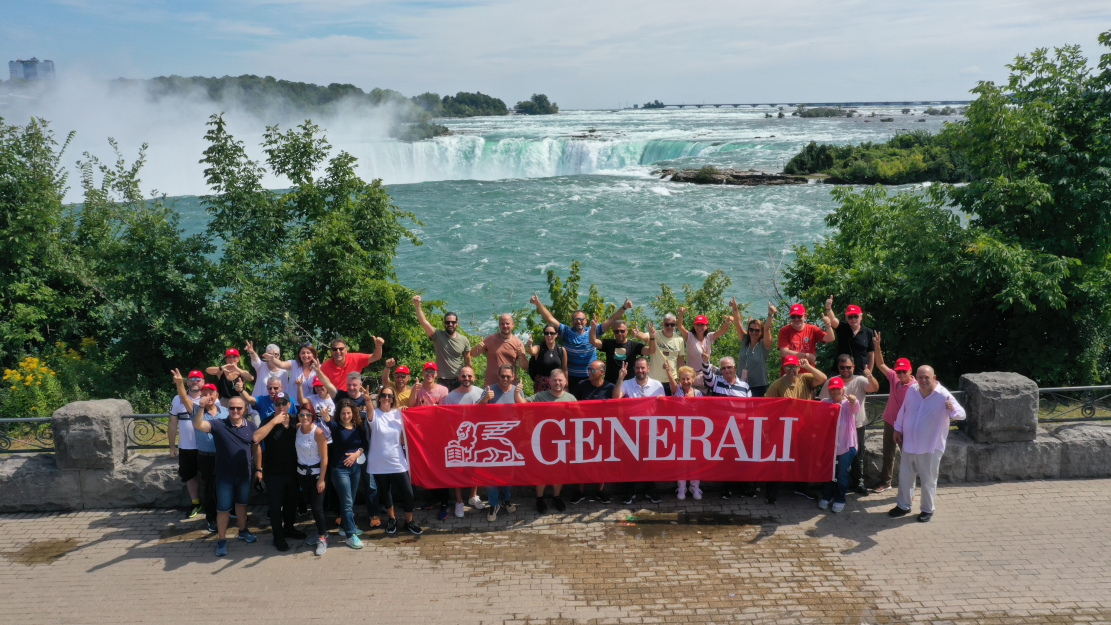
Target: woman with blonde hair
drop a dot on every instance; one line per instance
(684, 387)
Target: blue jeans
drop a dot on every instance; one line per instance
(498, 494)
(836, 489)
(346, 480)
(229, 493)
(372, 507)
(759, 391)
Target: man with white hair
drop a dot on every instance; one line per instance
(725, 382)
(354, 392)
(922, 428)
(268, 365)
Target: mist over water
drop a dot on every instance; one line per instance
(504, 199)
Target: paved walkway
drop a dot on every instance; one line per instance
(1024, 552)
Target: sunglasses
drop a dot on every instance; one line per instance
(451, 323)
(791, 367)
(385, 396)
(235, 409)
(583, 319)
(669, 325)
(596, 369)
(621, 331)
(306, 344)
(796, 316)
(506, 377)
(845, 367)
(549, 334)
(728, 367)
(852, 316)
(754, 329)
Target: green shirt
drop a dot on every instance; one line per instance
(547, 396)
(450, 350)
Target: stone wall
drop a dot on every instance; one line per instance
(92, 469)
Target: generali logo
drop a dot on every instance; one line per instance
(483, 444)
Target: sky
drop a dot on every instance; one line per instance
(581, 54)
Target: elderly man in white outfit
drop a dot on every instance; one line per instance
(922, 427)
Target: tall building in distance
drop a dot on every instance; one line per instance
(32, 69)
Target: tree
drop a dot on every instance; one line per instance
(538, 104)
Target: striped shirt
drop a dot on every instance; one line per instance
(719, 387)
(580, 353)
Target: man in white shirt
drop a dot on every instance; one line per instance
(640, 386)
(183, 442)
(921, 428)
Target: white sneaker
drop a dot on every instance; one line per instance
(459, 509)
(321, 547)
(837, 507)
(824, 504)
(696, 492)
(476, 503)
(682, 494)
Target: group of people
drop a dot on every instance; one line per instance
(310, 436)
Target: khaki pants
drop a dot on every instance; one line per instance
(888, 454)
(925, 468)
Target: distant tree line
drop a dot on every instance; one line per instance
(538, 104)
(462, 104)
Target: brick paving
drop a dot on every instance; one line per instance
(1020, 552)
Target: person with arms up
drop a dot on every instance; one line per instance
(307, 367)
(799, 382)
(504, 392)
(269, 365)
(800, 339)
(501, 348)
(388, 464)
(620, 350)
(228, 373)
(347, 457)
(312, 467)
(899, 380)
(233, 438)
(723, 381)
(670, 350)
(922, 427)
(322, 399)
(277, 467)
(857, 386)
(181, 427)
(430, 393)
(545, 358)
(845, 445)
(853, 337)
(698, 340)
(557, 392)
(756, 343)
(398, 380)
(465, 393)
(453, 350)
(640, 386)
(343, 363)
(576, 338)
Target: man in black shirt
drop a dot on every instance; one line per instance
(620, 350)
(279, 459)
(853, 337)
(593, 387)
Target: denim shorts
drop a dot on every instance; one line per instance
(229, 492)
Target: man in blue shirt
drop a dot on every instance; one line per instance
(576, 338)
(264, 405)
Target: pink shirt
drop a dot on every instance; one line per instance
(846, 426)
(430, 398)
(895, 399)
(924, 421)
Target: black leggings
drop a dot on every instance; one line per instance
(388, 483)
(316, 500)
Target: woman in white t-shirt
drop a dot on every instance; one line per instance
(387, 462)
(320, 404)
(312, 466)
(699, 341)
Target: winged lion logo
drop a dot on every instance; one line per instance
(483, 444)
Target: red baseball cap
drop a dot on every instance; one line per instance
(208, 387)
(231, 352)
(902, 364)
(702, 319)
(195, 374)
(836, 382)
(405, 370)
(790, 360)
(853, 309)
(797, 309)
(430, 365)
(316, 382)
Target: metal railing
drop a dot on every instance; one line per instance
(1065, 404)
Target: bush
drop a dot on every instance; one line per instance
(904, 159)
(706, 173)
(538, 104)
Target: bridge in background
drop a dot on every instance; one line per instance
(831, 104)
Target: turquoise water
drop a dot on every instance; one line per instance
(505, 199)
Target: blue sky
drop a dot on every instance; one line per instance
(582, 54)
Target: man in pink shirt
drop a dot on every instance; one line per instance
(921, 428)
(899, 380)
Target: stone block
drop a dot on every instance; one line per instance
(1002, 407)
(1026, 460)
(1085, 450)
(146, 481)
(90, 434)
(873, 460)
(954, 462)
(34, 483)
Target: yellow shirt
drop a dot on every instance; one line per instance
(801, 389)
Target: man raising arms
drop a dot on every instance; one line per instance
(576, 339)
(453, 350)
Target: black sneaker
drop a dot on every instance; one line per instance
(413, 528)
(860, 490)
(770, 500)
(558, 503)
(897, 512)
(293, 532)
(211, 527)
(603, 498)
(925, 517)
(726, 494)
(577, 497)
(749, 492)
(653, 497)
(302, 510)
(280, 544)
(391, 526)
(428, 505)
(628, 500)
(541, 507)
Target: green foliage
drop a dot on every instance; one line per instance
(538, 104)
(421, 130)
(465, 104)
(946, 110)
(906, 158)
(708, 299)
(706, 173)
(654, 104)
(821, 111)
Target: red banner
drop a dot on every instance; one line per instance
(623, 440)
